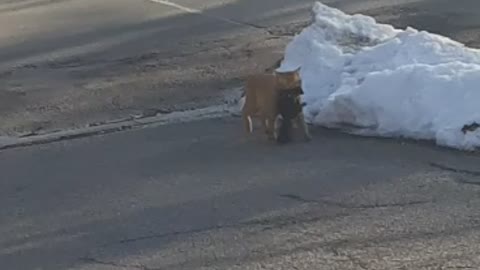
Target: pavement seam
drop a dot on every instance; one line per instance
(223, 19)
(301, 199)
(92, 260)
(454, 170)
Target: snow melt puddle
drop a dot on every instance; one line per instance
(386, 82)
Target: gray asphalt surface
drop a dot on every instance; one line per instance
(74, 63)
(199, 196)
(71, 63)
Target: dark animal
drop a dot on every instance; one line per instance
(289, 106)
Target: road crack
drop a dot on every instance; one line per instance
(176, 233)
(92, 260)
(454, 170)
(223, 19)
(268, 223)
(458, 171)
(353, 206)
(262, 224)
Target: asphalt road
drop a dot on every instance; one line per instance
(199, 196)
(71, 63)
(74, 63)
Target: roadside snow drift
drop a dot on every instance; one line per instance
(377, 80)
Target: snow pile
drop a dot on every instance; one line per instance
(378, 80)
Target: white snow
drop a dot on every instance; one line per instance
(381, 81)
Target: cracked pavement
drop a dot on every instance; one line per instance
(162, 198)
